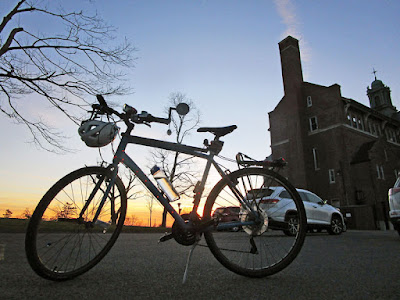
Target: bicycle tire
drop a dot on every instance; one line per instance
(258, 250)
(60, 246)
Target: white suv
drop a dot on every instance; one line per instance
(394, 205)
(279, 207)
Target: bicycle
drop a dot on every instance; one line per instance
(80, 217)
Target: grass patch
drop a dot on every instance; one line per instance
(139, 229)
(11, 225)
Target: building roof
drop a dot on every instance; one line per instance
(377, 84)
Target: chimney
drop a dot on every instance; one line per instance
(291, 65)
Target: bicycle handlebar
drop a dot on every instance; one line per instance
(145, 117)
(104, 108)
(130, 113)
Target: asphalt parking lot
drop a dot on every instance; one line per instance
(355, 265)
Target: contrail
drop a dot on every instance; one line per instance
(287, 11)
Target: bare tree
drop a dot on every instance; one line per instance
(7, 214)
(66, 211)
(132, 220)
(26, 214)
(150, 201)
(61, 68)
(131, 185)
(178, 166)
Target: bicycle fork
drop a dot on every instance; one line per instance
(111, 183)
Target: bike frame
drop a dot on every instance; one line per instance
(121, 157)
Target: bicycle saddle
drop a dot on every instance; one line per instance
(218, 131)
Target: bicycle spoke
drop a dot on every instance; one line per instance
(66, 245)
(257, 249)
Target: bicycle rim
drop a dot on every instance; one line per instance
(60, 245)
(266, 246)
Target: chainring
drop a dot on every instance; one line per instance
(182, 236)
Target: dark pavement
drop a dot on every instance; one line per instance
(355, 265)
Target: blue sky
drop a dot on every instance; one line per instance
(223, 55)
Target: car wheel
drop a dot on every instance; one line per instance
(292, 223)
(336, 227)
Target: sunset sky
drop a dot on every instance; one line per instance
(223, 55)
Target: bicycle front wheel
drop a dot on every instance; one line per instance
(62, 241)
(269, 214)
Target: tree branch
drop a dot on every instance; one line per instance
(61, 69)
(12, 13)
(9, 40)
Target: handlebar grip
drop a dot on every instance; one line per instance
(159, 120)
(101, 100)
(104, 106)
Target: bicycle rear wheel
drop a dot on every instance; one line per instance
(269, 238)
(61, 242)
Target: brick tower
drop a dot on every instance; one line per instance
(285, 120)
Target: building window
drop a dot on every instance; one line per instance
(391, 135)
(379, 130)
(313, 123)
(309, 101)
(356, 121)
(380, 172)
(360, 123)
(373, 129)
(349, 119)
(316, 159)
(332, 176)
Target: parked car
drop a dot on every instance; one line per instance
(394, 205)
(277, 202)
(228, 214)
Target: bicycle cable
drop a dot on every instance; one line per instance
(226, 158)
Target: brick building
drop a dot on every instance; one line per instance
(344, 151)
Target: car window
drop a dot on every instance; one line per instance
(303, 196)
(235, 210)
(219, 210)
(285, 194)
(314, 199)
(259, 193)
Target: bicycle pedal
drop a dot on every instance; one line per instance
(166, 237)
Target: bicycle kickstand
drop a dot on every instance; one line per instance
(188, 261)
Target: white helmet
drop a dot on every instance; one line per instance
(97, 133)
